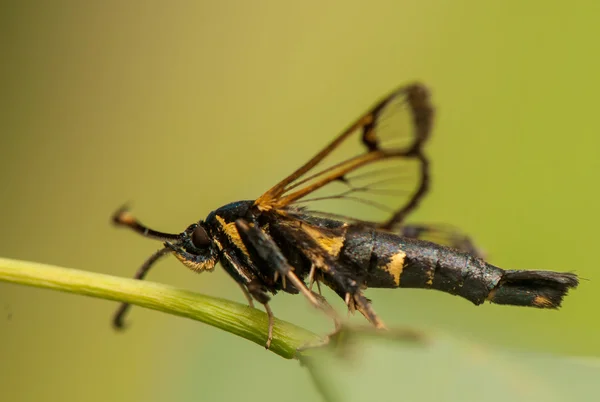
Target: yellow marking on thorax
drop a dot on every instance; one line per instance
(233, 235)
(332, 244)
(395, 266)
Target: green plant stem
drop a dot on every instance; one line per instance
(229, 316)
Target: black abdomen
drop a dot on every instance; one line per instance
(385, 260)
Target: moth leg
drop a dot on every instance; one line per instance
(311, 277)
(355, 300)
(269, 252)
(446, 235)
(255, 289)
(363, 305)
(328, 308)
(319, 286)
(271, 325)
(246, 294)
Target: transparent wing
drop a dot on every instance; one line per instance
(375, 171)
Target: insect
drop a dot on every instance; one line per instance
(278, 242)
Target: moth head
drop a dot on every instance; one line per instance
(196, 249)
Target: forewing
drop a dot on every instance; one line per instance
(375, 171)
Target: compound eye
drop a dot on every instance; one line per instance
(200, 238)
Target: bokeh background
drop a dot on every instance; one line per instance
(181, 107)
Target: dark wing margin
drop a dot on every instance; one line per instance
(388, 162)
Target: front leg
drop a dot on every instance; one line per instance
(270, 253)
(252, 287)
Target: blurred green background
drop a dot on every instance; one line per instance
(180, 108)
